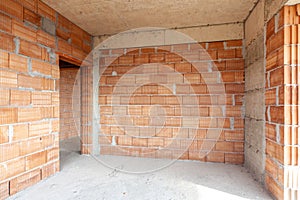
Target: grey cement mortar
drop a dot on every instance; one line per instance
(255, 50)
(255, 75)
(255, 108)
(48, 26)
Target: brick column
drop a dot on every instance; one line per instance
(86, 108)
(282, 168)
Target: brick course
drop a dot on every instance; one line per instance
(69, 113)
(143, 108)
(281, 101)
(29, 102)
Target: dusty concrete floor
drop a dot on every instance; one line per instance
(83, 177)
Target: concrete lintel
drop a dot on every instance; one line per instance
(159, 36)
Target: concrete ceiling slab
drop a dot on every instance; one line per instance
(292, 2)
(107, 17)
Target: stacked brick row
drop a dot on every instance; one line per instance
(32, 36)
(155, 102)
(282, 143)
(69, 89)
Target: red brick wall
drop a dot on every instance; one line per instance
(87, 109)
(158, 112)
(69, 107)
(29, 100)
(282, 42)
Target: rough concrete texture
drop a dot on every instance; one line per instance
(232, 31)
(83, 177)
(158, 37)
(273, 6)
(255, 50)
(255, 147)
(48, 26)
(254, 107)
(254, 135)
(254, 76)
(255, 23)
(254, 113)
(118, 16)
(254, 95)
(292, 2)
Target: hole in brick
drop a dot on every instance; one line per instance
(114, 73)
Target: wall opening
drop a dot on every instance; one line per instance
(69, 96)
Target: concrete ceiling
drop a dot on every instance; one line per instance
(292, 2)
(107, 17)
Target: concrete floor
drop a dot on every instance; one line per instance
(84, 177)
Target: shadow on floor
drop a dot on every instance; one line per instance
(69, 148)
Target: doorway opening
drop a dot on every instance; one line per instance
(70, 109)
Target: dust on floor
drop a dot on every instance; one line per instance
(85, 177)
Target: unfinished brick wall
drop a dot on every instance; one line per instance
(151, 111)
(282, 141)
(69, 98)
(32, 38)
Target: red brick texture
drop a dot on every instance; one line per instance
(69, 111)
(29, 102)
(173, 102)
(282, 147)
